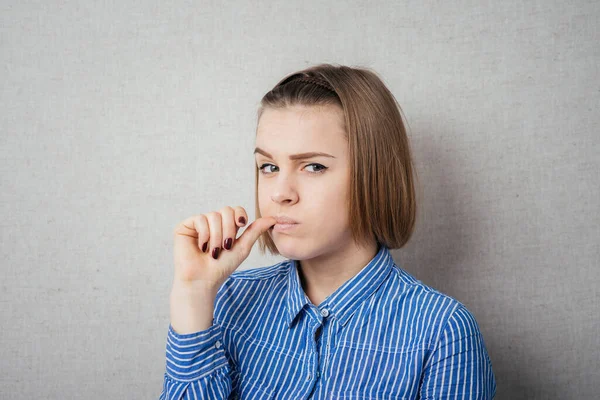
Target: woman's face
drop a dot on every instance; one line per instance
(310, 189)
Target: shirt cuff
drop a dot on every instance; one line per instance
(192, 356)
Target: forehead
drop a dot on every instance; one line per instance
(299, 128)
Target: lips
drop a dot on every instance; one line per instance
(283, 220)
(284, 224)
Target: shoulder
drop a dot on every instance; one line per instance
(262, 273)
(453, 341)
(256, 277)
(440, 312)
(250, 287)
(426, 298)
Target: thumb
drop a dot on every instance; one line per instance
(253, 232)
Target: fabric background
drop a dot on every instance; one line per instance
(120, 119)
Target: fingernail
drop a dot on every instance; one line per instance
(242, 220)
(228, 243)
(204, 247)
(215, 252)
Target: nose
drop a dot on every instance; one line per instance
(283, 191)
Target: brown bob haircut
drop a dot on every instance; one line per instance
(382, 200)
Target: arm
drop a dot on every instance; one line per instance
(196, 366)
(196, 363)
(459, 366)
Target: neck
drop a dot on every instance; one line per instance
(323, 275)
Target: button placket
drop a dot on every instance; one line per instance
(322, 341)
(316, 362)
(329, 328)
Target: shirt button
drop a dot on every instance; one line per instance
(324, 312)
(218, 344)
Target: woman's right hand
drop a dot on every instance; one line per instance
(206, 249)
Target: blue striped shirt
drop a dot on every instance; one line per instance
(381, 335)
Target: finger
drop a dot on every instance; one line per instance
(216, 233)
(188, 232)
(229, 227)
(253, 232)
(201, 226)
(186, 240)
(241, 217)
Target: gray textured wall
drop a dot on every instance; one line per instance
(119, 119)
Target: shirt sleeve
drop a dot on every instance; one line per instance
(196, 366)
(459, 366)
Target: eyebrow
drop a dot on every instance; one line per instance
(300, 156)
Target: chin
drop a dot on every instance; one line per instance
(293, 248)
(286, 250)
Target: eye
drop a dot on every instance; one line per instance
(320, 168)
(262, 167)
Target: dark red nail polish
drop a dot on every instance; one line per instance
(215, 252)
(228, 243)
(242, 220)
(204, 247)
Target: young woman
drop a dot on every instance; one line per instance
(338, 319)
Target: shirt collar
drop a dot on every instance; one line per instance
(342, 303)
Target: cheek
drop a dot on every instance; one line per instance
(331, 205)
(262, 201)
(266, 206)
